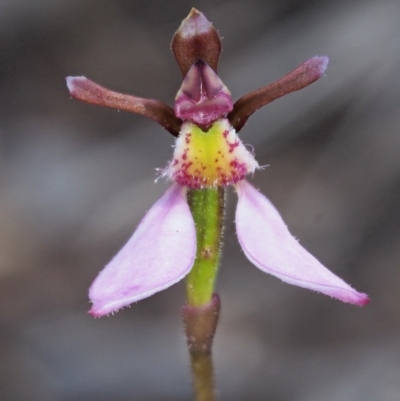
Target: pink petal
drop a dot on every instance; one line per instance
(268, 244)
(160, 253)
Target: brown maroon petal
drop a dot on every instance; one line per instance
(302, 76)
(83, 89)
(196, 38)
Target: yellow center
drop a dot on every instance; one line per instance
(210, 158)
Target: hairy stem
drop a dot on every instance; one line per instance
(201, 313)
(207, 206)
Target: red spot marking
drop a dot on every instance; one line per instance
(232, 146)
(239, 171)
(184, 156)
(191, 181)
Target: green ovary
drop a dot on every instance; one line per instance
(207, 207)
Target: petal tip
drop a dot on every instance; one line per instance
(101, 310)
(364, 300)
(194, 11)
(73, 83)
(353, 297)
(194, 24)
(321, 64)
(95, 313)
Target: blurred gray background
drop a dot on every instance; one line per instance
(75, 180)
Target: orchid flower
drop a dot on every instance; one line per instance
(180, 235)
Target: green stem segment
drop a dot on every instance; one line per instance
(207, 206)
(201, 313)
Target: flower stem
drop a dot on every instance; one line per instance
(201, 313)
(207, 206)
(200, 325)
